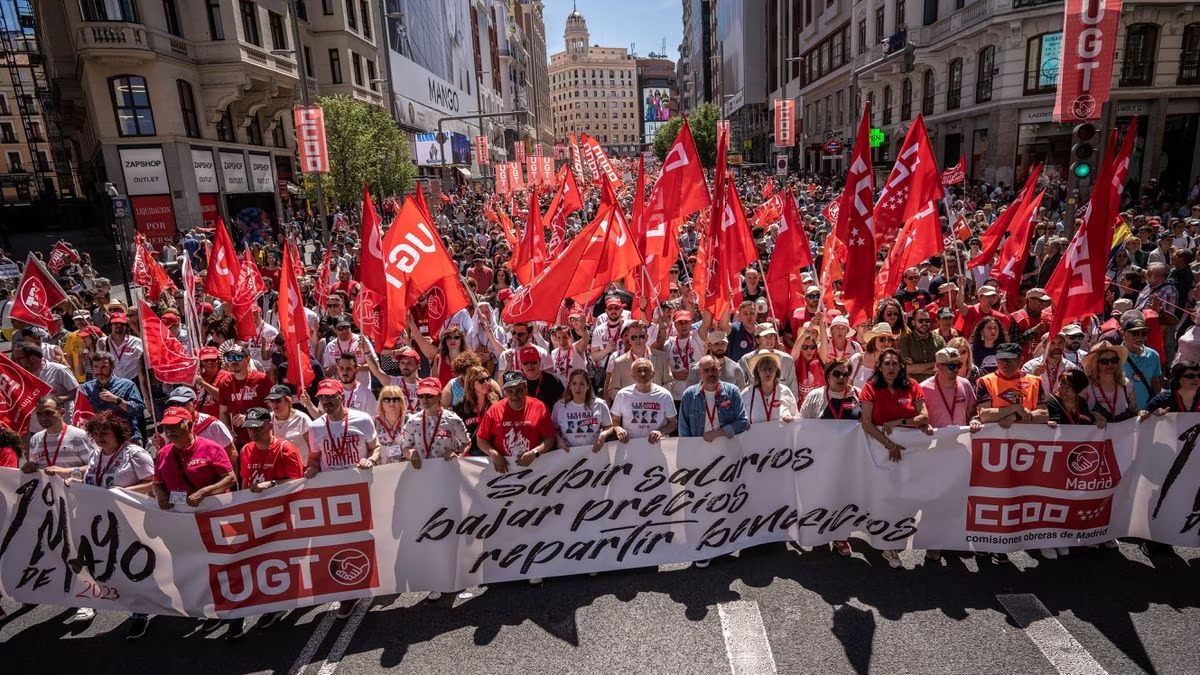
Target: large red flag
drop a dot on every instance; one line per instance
(1077, 285)
(530, 258)
(148, 273)
(168, 360)
(708, 277)
(913, 183)
(293, 324)
(419, 198)
(679, 192)
(443, 300)
(957, 173)
(36, 295)
(1015, 252)
(321, 286)
(249, 288)
(639, 284)
(735, 246)
(992, 237)
(791, 255)
(566, 201)
(920, 238)
(370, 265)
(576, 160)
(82, 411)
(414, 261)
(768, 212)
(768, 189)
(19, 392)
(856, 221)
(61, 256)
(223, 267)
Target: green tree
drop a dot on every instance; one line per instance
(703, 123)
(365, 146)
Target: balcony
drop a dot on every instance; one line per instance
(113, 40)
(965, 18)
(1189, 68)
(1137, 73)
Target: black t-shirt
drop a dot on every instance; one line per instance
(1057, 414)
(911, 300)
(547, 389)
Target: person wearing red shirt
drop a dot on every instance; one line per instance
(969, 315)
(10, 451)
(345, 285)
(208, 382)
(267, 460)
(519, 426)
(1032, 321)
(188, 468)
(245, 389)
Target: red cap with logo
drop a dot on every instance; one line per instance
(329, 388)
(429, 386)
(529, 354)
(175, 414)
(209, 353)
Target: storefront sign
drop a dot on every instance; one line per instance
(233, 169)
(1089, 49)
(208, 209)
(205, 169)
(145, 171)
(1036, 116)
(261, 178)
(154, 218)
(1126, 108)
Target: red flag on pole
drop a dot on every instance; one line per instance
(36, 295)
(148, 273)
(223, 267)
(419, 198)
(414, 262)
(82, 411)
(61, 256)
(249, 288)
(530, 257)
(443, 300)
(955, 174)
(168, 360)
(768, 189)
(1015, 252)
(370, 267)
(791, 255)
(293, 324)
(920, 238)
(992, 237)
(856, 221)
(566, 201)
(19, 392)
(911, 186)
(321, 286)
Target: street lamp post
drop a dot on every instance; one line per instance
(304, 101)
(120, 216)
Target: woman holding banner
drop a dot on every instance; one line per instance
(766, 399)
(581, 418)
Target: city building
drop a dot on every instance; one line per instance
(696, 55)
(594, 91)
(740, 81)
(186, 107)
(538, 75)
(658, 94)
(984, 75)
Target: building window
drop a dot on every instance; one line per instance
(887, 105)
(225, 128)
(1042, 54)
(279, 134)
(4, 105)
(1141, 40)
(870, 104)
(1189, 56)
(351, 17)
(14, 163)
(171, 14)
(187, 106)
(131, 105)
(906, 100)
(254, 131)
(278, 34)
(43, 162)
(862, 36)
(356, 68)
(900, 22)
(984, 73)
(879, 34)
(250, 23)
(6, 133)
(954, 87)
(364, 10)
(335, 66)
(327, 7)
(308, 66)
(110, 10)
(215, 28)
(372, 76)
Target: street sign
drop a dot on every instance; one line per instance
(781, 165)
(120, 207)
(832, 146)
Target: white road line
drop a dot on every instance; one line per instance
(343, 641)
(1050, 637)
(746, 642)
(315, 641)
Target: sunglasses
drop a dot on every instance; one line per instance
(808, 347)
(391, 399)
(531, 363)
(1109, 362)
(235, 357)
(813, 296)
(426, 397)
(920, 320)
(1137, 333)
(953, 365)
(328, 397)
(839, 374)
(1189, 376)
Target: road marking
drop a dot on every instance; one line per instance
(343, 641)
(746, 642)
(315, 641)
(1055, 642)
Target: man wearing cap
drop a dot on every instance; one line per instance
(408, 361)
(919, 346)
(1160, 295)
(766, 337)
(74, 346)
(949, 398)
(620, 374)
(969, 315)
(682, 350)
(287, 422)
(125, 348)
(63, 384)
(1009, 396)
(644, 409)
(712, 408)
(245, 389)
(606, 343)
(811, 309)
(1050, 362)
(1143, 367)
(1032, 321)
(717, 346)
(121, 395)
(208, 381)
(542, 385)
(346, 342)
(433, 432)
(267, 460)
(204, 425)
(518, 426)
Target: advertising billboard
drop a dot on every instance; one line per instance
(656, 110)
(433, 68)
(431, 153)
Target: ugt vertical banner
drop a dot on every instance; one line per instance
(785, 128)
(310, 139)
(1089, 48)
(481, 150)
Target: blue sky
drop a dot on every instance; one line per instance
(616, 23)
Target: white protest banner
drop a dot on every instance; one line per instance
(450, 525)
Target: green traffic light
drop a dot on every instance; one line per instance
(1082, 169)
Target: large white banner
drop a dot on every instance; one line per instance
(455, 524)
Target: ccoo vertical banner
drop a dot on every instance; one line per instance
(1089, 49)
(785, 128)
(310, 139)
(481, 151)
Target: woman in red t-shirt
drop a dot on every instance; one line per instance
(10, 448)
(892, 399)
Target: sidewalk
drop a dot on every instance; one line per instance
(92, 240)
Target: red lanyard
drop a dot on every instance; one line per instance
(1182, 408)
(684, 355)
(840, 409)
(348, 398)
(952, 403)
(1052, 375)
(1110, 405)
(343, 350)
(103, 468)
(118, 355)
(392, 431)
(53, 461)
(430, 440)
(410, 395)
(711, 415)
(340, 447)
(1072, 417)
(771, 405)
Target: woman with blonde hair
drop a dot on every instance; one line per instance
(862, 366)
(1109, 392)
(480, 391)
(969, 369)
(390, 422)
(766, 400)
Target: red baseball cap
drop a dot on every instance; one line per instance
(681, 315)
(170, 319)
(329, 387)
(207, 308)
(118, 317)
(504, 294)
(429, 385)
(176, 414)
(408, 352)
(210, 353)
(613, 301)
(575, 311)
(529, 354)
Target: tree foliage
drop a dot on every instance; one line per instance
(703, 122)
(365, 146)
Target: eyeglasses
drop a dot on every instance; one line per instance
(391, 399)
(920, 320)
(1109, 362)
(328, 397)
(233, 358)
(531, 363)
(839, 374)
(953, 365)
(808, 347)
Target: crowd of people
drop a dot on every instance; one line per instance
(945, 349)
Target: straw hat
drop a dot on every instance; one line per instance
(1089, 361)
(879, 329)
(757, 357)
(841, 321)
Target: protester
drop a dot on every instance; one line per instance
(643, 409)
(581, 418)
(767, 399)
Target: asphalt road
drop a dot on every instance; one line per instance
(1112, 611)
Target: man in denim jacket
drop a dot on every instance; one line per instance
(712, 408)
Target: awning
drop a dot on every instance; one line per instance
(466, 173)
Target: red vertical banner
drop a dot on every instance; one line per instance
(519, 152)
(1089, 45)
(514, 176)
(481, 151)
(208, 210)
(502, 186)
(154, 216)
(548, 171)
(310, 139)
(785, 123)
(533, 170)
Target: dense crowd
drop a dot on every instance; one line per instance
(945, 349)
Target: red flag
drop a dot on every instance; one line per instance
(419, 198)
(992, 237)
(223, 268)
(912, 184)
(857, 226)
(679, 192)
(249, 288)
(508, 230)
(293, 324)
(589, 158)
(791, 255)
(576, 160)
(444, 197)
(920, 238)
(530, 256)
(370, 266)
(414, 261)
(168, 360)
(36, 295)
(734, 242)
(565, 201)
(1015, 252)
(768, 212)
(957, 173)
(82, 411)
(19, 392)
(831, 211)
(148, 273)
(61, 256)
(1077, 285)
(322, 285)
(638, 284)
(443, 300)
(768, 189)
(602, 252)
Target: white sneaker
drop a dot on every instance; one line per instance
(702, 563)
(1048, 553)
(1064, 550)
(434, 596)
(1111, 543)
(893, 559)
(535, 581)
(83, 614)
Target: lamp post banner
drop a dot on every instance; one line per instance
(453, 524)
(1088, 53)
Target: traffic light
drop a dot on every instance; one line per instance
(1083, 151)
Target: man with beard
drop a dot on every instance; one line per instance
(355, 394)
(1051, 363)
(119, 394)
(542, 385)
(346, 342)
(605, 342)
(518, 426)
(245, 389)
(408, 361)
(1033, 320)
(522, 337)
(919, 347)
(124, 346)
(718, 347)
